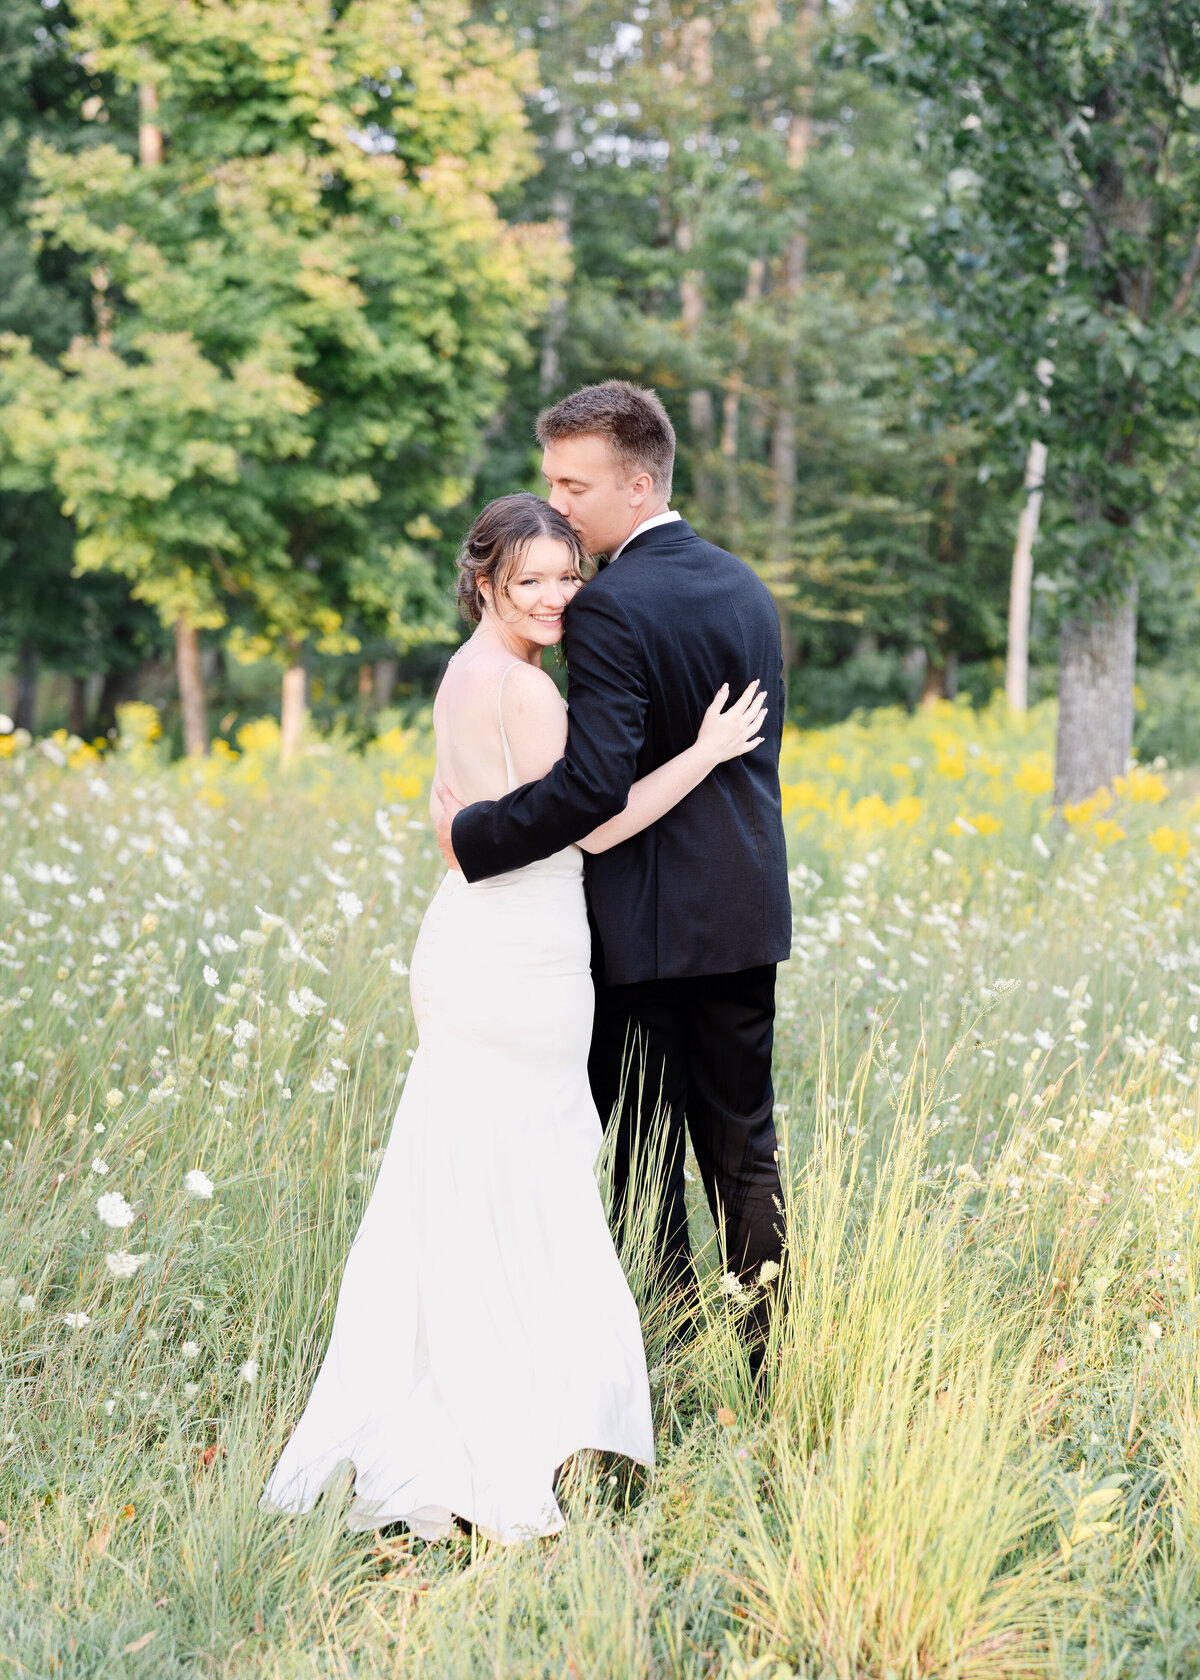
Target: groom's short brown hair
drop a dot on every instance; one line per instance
(630, 419)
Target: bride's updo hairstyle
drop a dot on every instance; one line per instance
(497, 542)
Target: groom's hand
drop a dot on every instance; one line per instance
(443, 808)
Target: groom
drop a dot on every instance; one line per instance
(690, 917)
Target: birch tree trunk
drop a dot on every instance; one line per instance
(787, 389)
(1096, 656)
(731, 408)
(293, 709)
(1020, 595)
(190, 679)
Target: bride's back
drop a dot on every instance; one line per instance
(466, 723)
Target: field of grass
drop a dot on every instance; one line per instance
(978, 1451)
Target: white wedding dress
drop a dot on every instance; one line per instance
(484, 1331)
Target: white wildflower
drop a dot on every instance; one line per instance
(731, 1284)
(324, 1083)
(305, 1002)
(198, 1185)
(1039, 846)
(350, 905)
(114, 1210)
(190, 1350)
(398, 968)
(223, 945)
(76, 1321)
(249, 1371)
(124, 1265)
(253, 938)
(27, 1304)
(243, 1033)
(211, 977)
(114, 1098)
(768, 1271)
(8, 1289)
(190, 1390)
(99, 1167)
(1154, 1330)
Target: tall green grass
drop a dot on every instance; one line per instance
(974, 1446)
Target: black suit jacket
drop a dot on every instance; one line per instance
(649, 641)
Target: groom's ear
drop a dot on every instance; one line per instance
(641, 486)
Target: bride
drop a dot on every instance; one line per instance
(485, 1331)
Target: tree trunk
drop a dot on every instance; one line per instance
(117, 687)
(1096, 654)
(293, 710)
(731, 408)
(941, 678)
(77, 709)
(787, 391)
(386, 672)
(1020, 595)
(190, 679)
(149, 133)
(26, 695)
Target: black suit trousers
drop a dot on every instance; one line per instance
(695, 1052)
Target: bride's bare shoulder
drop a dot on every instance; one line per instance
(527, 689)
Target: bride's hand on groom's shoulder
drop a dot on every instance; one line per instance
(443, 808)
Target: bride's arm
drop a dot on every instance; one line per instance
(723, 735)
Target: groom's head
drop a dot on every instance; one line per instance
(608, 454)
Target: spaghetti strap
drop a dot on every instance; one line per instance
(508, 763)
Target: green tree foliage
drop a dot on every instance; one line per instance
(312, 303)
(50, 617)
(735, 186)
(1065, 237)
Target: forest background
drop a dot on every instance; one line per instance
(282, 288)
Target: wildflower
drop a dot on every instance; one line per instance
(189, 1350)
(768, 1271)
(100, 1167)
(114, 1098)
(350, 905)
(252, 937)
(243, 1033)
(198, 1185)
(190, 1390)
(211, 977)
(731, 1284)
(305, 1002)
(76, 1320)
(1154, 1330)
(8, 1289)
(1039, 846)
(124, 1265)
(249, 1371)
(398, 968)
(114, 1210)
(324, 1083)
(26, 1305)
(939, 856)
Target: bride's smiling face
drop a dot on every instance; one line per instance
(531, 601)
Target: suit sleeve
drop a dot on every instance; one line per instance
(608, 698)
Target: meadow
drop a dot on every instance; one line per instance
(977, 1448)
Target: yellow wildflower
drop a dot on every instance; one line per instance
(1035, 775)
(1142, 786)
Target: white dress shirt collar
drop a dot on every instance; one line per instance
(667, 518)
